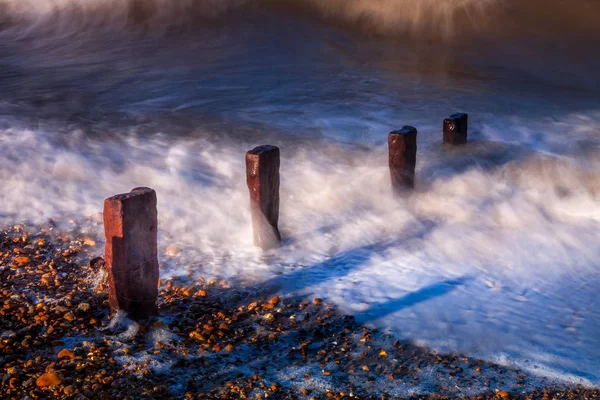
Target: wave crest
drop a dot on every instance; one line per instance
(416, 17)
(441, 19)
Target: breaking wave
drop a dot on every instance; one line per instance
(439, 19)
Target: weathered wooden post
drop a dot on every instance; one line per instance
(262, 177)
(455, 129)
(130, 227)
(403, 157)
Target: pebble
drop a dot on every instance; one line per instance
(48, 379)
(197, 336)
(22, 260)
(65, 353)
(69, 316)
(88, 242)
(172, 251)
(268, 317)
(274, 301)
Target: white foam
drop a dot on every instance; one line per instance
(120, 322)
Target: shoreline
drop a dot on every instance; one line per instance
(211, 340)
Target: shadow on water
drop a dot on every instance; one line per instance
(339, 265)
(412, 299)
(290, 238)
(486, 156)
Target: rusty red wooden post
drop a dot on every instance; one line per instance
(130, 227)
(455, 129)
(403, 157)
(262, 177)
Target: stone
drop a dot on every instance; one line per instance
(22, 260)
(159, 325)
(97, 263)
(455, 129)
(65, 353)
(131, 229)
(262, 177)
(274, 300)
(48, 379)
(67, 253)
(88, 242)
(268, 317)
(172, 251)
(403, 157)
(69, 316)
(195, 335)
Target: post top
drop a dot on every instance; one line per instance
(138, 191)
(259, 150)
(406, 130)
(458, 115)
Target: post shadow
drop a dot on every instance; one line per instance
(338, 266)
(424, 294)
(486, 156)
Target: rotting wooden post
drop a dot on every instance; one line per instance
(262, 177)
(455, 129)
(130, 227)
(403, 157)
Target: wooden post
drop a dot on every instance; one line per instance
(455, 129)
(262, 177)
(130, 227)
(403, 157)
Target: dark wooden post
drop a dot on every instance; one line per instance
(262, 177)
(403, 157)
(130, 227)
(455, 129)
